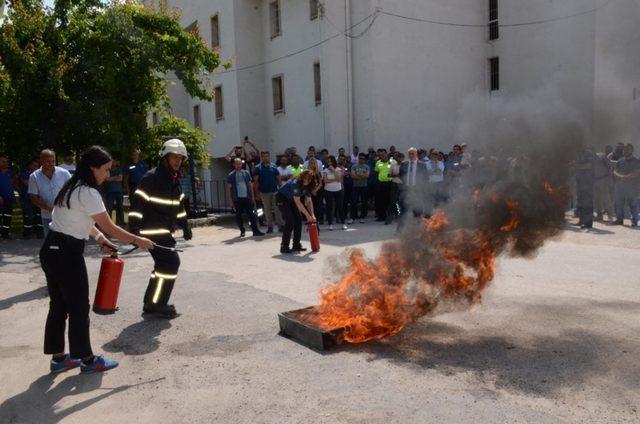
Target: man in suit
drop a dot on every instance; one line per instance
(415, 179)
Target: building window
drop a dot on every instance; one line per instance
(215, 32)
(274, 17)
(196, 117)
(219, 104)
(278, 94)
(317, 83)
(494, 28)
(494, 72)
(155, 119)
(313, 6)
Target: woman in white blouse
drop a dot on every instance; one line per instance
(77, 209)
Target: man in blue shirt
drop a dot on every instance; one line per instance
(6, 197)
(30, 214)
(136, 171)
(267, 177)
(240, 194)
(45, 184)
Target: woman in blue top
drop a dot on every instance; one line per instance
(288, 200)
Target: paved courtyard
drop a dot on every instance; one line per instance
(557, 339)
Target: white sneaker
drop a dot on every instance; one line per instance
(344, 226)
(362, 221)
(349, 221)
(331, 227)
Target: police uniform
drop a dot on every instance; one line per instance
(157, 209)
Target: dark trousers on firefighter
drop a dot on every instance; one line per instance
(165, 272)
(292, 220)
(62, 260)
(6, 210)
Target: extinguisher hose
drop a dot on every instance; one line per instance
(134, 248)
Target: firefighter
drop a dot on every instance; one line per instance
(157, 209)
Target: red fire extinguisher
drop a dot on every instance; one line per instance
(108, 285)
(312, 227)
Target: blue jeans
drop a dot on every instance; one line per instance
(626, 195)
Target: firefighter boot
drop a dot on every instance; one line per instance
(161, 311)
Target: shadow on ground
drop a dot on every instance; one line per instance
(139, 338)
(37, 404)
(35, 294)
(527, 363)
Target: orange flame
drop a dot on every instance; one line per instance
(378, 298)
(514, 220)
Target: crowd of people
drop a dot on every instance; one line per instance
(608, 183)
(390, 183)
(348, 185)
(39, 182)
(380, 184)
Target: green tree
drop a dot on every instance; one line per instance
(171, 126)
(87, 73)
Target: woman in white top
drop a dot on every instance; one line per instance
(333, 192)
(77, 208)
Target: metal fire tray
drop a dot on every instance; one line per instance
(293, 325)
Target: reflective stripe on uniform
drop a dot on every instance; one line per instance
(182, 214)
(154, 232)
(159, 200)
(135, 215)
(158, 292)
(165, 276)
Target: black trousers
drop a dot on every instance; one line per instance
(318, 206)
(333, 202)
(359, 199)
(62, 261)
(244, 206)
(383, 198)
(165, 271)
(292, 220)
(585, 192)
(394, 210)
(6, 211)
(31, 220)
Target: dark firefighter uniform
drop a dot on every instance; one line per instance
(157, 209)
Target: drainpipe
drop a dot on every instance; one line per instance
(347, 23)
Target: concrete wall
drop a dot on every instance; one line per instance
(410, 79)
(556, 57)
(617, 58)
(251, 89)
(421, 71)
(303, 122)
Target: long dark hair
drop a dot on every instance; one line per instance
(315, 181)
(94, 156)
